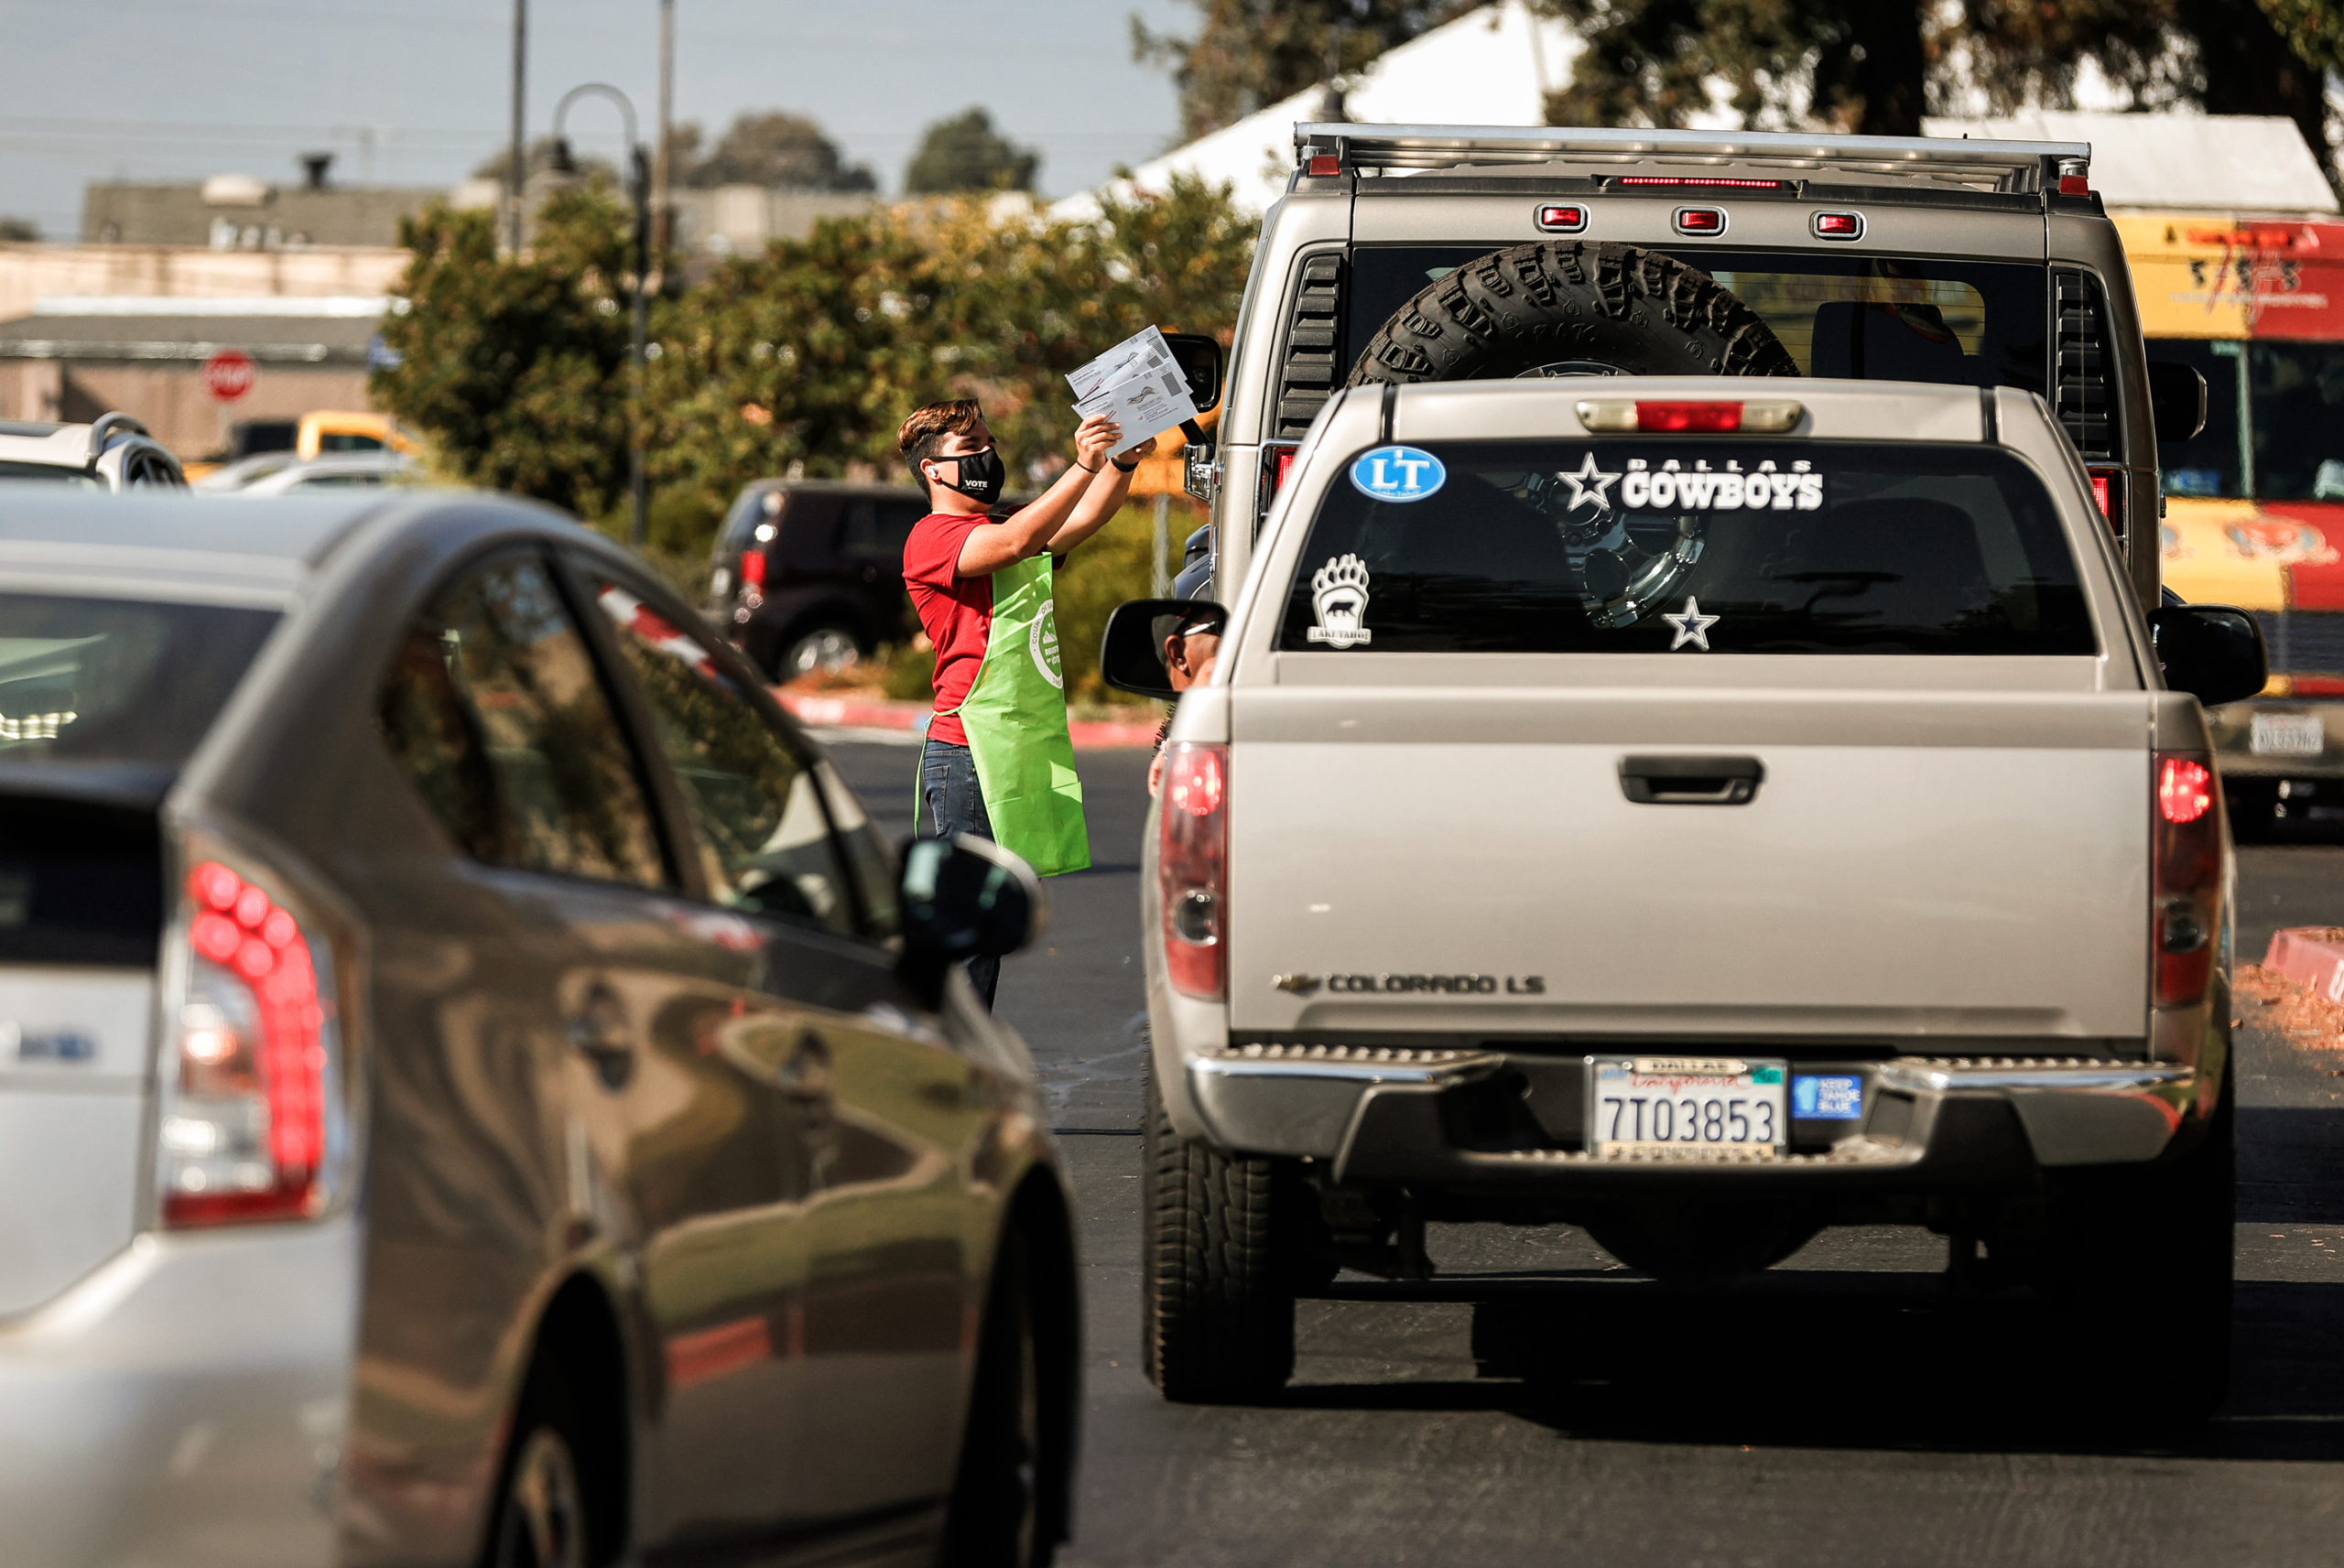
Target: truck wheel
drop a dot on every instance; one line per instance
(1571, 308)
(1217, 1296)
(2144, 1269)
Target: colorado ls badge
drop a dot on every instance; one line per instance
(1399, 473)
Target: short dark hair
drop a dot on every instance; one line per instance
(929, 427)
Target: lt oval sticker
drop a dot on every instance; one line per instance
(1399, 473)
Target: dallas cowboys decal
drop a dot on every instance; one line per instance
(1588, 484)
(1692, 626)
(1675, 488)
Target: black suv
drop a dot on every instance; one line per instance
(808, 574)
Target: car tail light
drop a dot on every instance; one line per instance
(1562, 219)
(753, 568)
(1192, 868)
(2108, 489)
(1620, 415)
(1700, 220)
(1711, 181)
(2187, 829)
(252, 1123)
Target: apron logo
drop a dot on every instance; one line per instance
(1042, 642)
(1399, 473)
(1339, 601)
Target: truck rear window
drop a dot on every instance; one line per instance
(1656, 546)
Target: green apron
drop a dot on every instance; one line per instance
(1016, 716)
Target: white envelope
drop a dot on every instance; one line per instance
(1141, 352)
(1143, 406)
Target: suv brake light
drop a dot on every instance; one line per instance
(2108, 489)
(1192, 868)
(251, 1121)
(1277, 462)
(753, 566)
(1609, 415)
(1711, 181)
(2187, 827)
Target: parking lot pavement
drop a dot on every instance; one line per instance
(1840, 1409)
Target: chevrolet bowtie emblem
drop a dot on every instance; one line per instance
(1300, 985)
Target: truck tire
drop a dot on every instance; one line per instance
(2144, 1268)
(1216, 1295)
(1571, 307)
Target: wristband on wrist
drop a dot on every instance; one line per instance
(1086, 470)
(1125, 468)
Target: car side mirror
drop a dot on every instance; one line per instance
(1199, 358)
(963, 898)
(2211, 651)
(2176, 400)
(1131, 656)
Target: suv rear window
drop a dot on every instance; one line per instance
(1653, 545)
(109, 680)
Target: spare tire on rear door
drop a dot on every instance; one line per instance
(1571, 308)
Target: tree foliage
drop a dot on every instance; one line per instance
(1873, 66)
(805, 357)
(776, 149)
(965, 153)
(1248, 54)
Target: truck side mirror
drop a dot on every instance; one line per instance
(2176, 400)
(2211, 651)
(1198, 356)
(963, 898)
(1131, 656)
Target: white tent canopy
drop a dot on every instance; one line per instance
(2225, 163)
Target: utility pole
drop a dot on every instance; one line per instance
(519, 174)
(639, 166)
(662, 171)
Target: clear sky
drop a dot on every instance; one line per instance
(416, 92)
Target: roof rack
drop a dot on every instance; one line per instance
(2015, 166)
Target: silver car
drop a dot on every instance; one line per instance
(113, 453)
(474, 1086)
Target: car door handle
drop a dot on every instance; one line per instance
(1691, 781)
(600, 1033)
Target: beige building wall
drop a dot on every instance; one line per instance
(29, 273)
(170, 399)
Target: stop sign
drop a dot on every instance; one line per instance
(228, 375)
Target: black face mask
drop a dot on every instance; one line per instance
(981, 475)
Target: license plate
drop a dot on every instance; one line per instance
(1693, 1107)
(2287, 735)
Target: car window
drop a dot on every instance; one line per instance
(1658, 546)
(756, 811)
(53, 474)
(112, 680)
(877, 530)
(868, 858)
(495, 706)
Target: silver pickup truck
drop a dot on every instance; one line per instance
(1703, 811)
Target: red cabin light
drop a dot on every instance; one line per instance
(1324, 163)
(1562, 220)
(1715, 181)
(1700, 220)
(1712, 417)
(1838, 225)
(2184, 790)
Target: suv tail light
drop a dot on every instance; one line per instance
(252, 1125)
(2108, 489)
(753, 566)
(1277, 462)
(2186, 825)
(1192, 868)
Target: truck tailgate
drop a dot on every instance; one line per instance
(1915, 865)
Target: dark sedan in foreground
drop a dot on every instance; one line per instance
(474, 1086)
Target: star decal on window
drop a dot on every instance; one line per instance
(1588, 484)
(1692, 626)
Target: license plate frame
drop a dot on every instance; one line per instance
(1749, 1093)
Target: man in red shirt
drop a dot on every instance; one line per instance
(949, 563)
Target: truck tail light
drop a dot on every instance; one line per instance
(1192, 868)
(2186, 831)
(1618, 415)
(252, 1125)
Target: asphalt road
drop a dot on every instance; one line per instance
(1840, 1409)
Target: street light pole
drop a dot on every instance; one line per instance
(639, 191)
(517, 171)
(663, 172)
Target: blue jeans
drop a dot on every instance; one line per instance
(951, 801)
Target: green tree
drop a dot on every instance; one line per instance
(1248, 54)
(499, 165)
(965, 153)
(517, 368)
(2313, 28)
(775, 148)
(18, 229)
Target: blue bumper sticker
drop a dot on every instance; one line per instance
(1819, 1097)
(1399, 473)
